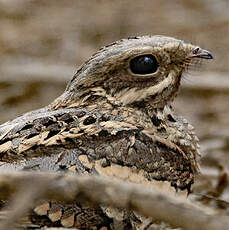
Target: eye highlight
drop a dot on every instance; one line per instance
(144, 64)
(196, 50)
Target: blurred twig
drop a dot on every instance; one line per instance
(98, 190)
(23, 201)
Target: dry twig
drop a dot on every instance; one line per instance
(98, 190)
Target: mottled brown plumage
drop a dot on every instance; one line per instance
(110, 121)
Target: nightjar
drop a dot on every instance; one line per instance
(115, 119)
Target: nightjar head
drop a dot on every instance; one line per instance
(137, 70)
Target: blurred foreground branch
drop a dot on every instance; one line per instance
(97, 190)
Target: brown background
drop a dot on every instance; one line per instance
(43, 42)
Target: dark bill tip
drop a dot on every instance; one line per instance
(205, 54)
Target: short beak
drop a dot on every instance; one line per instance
(202, 54)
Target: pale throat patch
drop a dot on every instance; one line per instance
(128, 96)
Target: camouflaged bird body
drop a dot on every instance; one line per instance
(98, 139)
(101, 132)
(112, 122)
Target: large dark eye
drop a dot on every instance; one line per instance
(144, 64)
